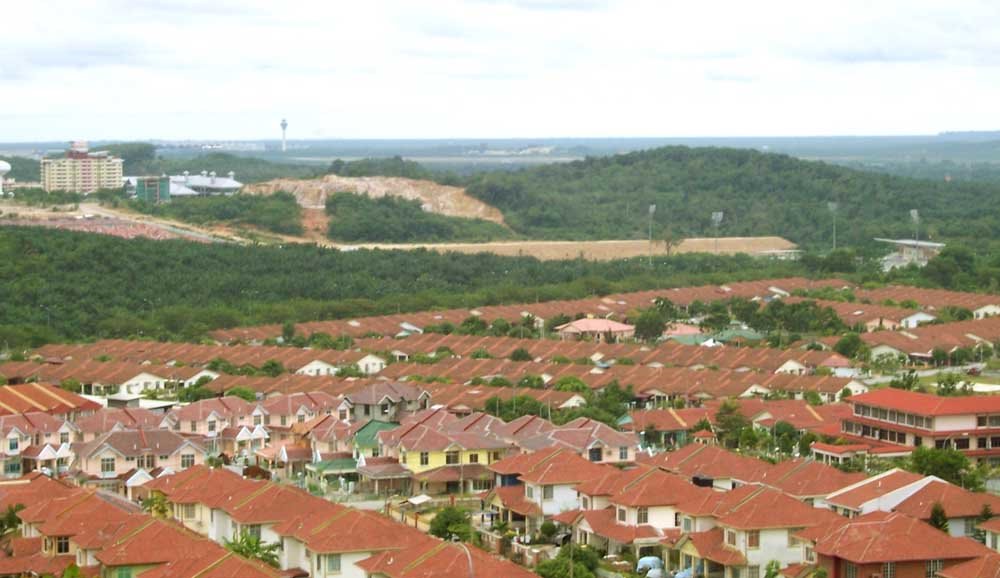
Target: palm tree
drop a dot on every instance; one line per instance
(252, 547)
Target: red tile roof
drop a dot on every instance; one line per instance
(563, 468)
(881, 537)
(987, 566)
(434, 558)
(854, 497)
(957, 502)
(711, 545)
(928, 404)
(803, 478)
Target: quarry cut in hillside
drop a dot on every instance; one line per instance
(433, 197)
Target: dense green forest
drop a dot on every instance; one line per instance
(59, 285)
(278, 213)
(760, 194)
(982, 172)
(23, 169)
(397, 220)
(382, 167)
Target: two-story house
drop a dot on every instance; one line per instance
(110, 461)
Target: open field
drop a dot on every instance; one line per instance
(433, 197)
(121, 222)
(603, 250)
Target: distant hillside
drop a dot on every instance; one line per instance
(23, 169)
(760, 194)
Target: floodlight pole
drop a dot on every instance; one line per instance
(652, 209)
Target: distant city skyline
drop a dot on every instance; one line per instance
(226, 70)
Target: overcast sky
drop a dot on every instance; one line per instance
(220, 69)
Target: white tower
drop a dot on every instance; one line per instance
(4, 169)
(284, 126)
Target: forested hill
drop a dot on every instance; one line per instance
(760, 194)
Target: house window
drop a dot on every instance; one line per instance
(792, 540)
(12, 444)
(253, 531)
(529, 491)
(687, 524)
(970, 526)
(332, 563)
(385, 409)
(188, 511)
(730, 537)
(473, 458)
(642, 516)
(301, 418)
(595, 454)
(402, 457)
(753, 539)
(753, 571)
(451, 458)
(734, 572)
(425, 458)
(375, 452)
(368, 410)
(257, 420)
(342, 414)
(107, 465)
(584, 503)
(194, 426)
(187, 460)
(850, 570)
(284, 420)
(547, 492)
(64, 438)
(623, 453)
(124, 572)
(932, 567)
(62, 545)
(496, 456)
(12, 468)
(810, 554)
(889, 570)
(621, 514)
(211, 425)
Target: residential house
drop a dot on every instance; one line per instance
(591, 439)
(110, 461)
(225, 425)
(531, 487)
(385, 401)
(34, 441)
(888, 544)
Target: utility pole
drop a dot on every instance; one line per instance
(832, 205)
(652, 209)
(717, 217)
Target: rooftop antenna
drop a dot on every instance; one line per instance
(284, 127)
(915, 217)
(716, 221)
(833, 206)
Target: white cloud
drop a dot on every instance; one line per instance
(493, 68)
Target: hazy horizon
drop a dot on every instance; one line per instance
(394, 70)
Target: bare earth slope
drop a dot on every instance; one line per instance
(435, 198)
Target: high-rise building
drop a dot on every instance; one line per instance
(82, 171)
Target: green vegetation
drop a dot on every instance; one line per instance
(395, 220)
(141, 159)
(250, 546)
(573, 561)
(63, 285)
(23, 169)
(760, 193)
(381, 167)
(278, 213)
(451, 521)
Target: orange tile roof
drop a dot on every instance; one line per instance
(854, 497)
(881, 537)
(804, 478)
(711, 545)
(431, 557)
(987, 566)
(957, 502)
(563, 468)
